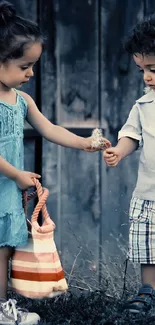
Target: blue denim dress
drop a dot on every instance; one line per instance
(13, 228)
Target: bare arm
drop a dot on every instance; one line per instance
(124, 147)
(56, 133)
(63, 137)
(129, 137)
(23, 179)
(7, 169)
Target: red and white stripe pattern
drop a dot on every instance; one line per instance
(36, 269)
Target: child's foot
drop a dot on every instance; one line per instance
(11, 315)
(142, 303)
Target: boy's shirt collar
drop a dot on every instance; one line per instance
(147, 98)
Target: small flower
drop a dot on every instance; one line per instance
(98, 140)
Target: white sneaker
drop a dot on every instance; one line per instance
(11, 315)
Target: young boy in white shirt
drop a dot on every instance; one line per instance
(139, 130)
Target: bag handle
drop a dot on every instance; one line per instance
(27, 197)
(42, 193)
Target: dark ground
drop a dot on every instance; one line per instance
(94, 308)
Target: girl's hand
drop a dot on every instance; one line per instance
(105, 143)
(112, 156)
(24, 179)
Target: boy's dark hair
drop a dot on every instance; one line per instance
(142, 38)
(15, 33)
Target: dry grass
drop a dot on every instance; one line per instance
(87, 302)
(91, 308)
(83, 308)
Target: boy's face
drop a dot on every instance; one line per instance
(146, 64)
(15, 72)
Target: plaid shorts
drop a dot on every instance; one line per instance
(142, 231)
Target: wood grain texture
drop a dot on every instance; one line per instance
(77, 62)
(71, 175)
(121, 86)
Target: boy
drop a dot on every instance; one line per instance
(139, 130)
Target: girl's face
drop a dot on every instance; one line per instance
(16, 72)
(146, 64)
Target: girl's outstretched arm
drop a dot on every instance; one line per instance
(55, 133)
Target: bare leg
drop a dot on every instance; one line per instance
(148, 274)
(5, 254)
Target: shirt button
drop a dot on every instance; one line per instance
(18, 132)
(15, 112)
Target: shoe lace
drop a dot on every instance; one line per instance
(10, 308)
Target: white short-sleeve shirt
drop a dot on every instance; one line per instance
(140, 125)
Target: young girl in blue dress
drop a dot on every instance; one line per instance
(20, 48)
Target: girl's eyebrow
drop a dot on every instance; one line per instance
(28, 63)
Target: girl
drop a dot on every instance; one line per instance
(20, 48)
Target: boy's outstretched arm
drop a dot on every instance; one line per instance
(124, 147)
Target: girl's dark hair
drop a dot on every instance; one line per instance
(15, 33)
(142, 38)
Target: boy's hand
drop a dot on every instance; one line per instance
(112, 156)
(24, 179)
(105, 143)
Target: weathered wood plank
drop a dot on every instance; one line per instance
(121, 86)
(48, 108)
(77, 64)
(27, 9)
(80, 216)
(77, 105)
(72, 176)
(77, 93)
(149, 7)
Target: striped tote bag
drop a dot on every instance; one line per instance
(36, 270)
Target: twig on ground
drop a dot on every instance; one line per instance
(80, 288)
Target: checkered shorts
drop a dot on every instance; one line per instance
(142, 231)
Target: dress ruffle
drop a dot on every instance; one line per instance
(13, 229)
